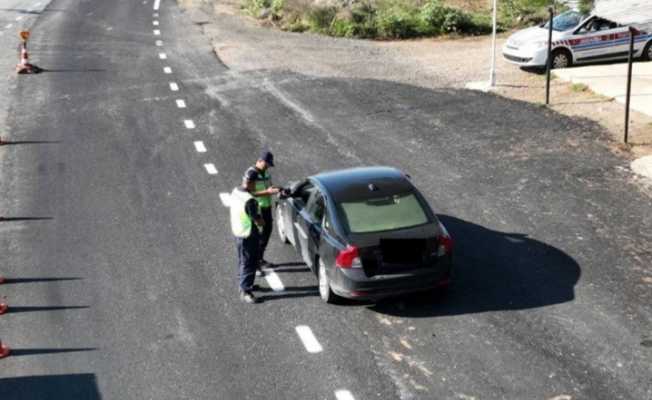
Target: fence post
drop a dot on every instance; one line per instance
(549, 62)
(632, 35)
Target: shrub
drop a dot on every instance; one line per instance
(398, 23)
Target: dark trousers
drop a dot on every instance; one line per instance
(248, 249)
(267, 229)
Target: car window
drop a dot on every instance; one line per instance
(315, 207)
(566, 21)
(383, 213)
(302, 194)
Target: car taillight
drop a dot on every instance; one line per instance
(348, 258)
(445, 242)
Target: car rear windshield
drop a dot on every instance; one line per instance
(383, 213)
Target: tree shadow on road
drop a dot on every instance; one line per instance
(494, 271)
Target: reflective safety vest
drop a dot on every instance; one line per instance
(241, 223)
(263, 182)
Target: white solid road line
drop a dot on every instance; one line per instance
(162, 56)
(157, 32)
(155, 23)
(199, 146)
(343, 394)
(308, 339)
(174, 87)
(167, 70)
(189, 123)
(19, 18)
(210, 168)
(9, 26)
(181, 103)
(273, 280)
(157, 3)
(225, 198)
(159, 43)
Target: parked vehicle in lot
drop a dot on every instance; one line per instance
(366, 233)
(576, 39)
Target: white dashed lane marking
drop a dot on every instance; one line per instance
(273, 280)
(343, 394)
(156, 32)
(155, 15)
(155, 23)
(225, 198)
(210, 168)
(174, 87)
(157, 3)
(199, 146)
(159, 43)
(308, 339)
(162, 56)
(9, 26)
(18, 18)
(181, 103)
(167, 70)
(190, 124)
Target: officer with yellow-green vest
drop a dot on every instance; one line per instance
(263, 192)
(245, 223)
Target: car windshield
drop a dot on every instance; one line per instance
(383, 213)
(565, 21)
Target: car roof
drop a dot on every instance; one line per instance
(353, 184)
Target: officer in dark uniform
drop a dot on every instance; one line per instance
(263, 192)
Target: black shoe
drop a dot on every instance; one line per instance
(248, 298)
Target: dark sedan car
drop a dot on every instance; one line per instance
(366, 233)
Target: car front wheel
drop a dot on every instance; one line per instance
(325, 291)
(647, 52)
(561, 59)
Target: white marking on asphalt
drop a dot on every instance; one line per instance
(167, 70)
(343, 394)
(162, 56)
(157, 3)
(19, 18)
(174, 87)
(37, 4)
(210, 168)
(155, 15)
(157, 32)
(9, 26)
(199, 146)
(155, 23)
(159, 43)
(225, 198)
(181, 103)
(309, 340)
(273, 280)
(189, 123)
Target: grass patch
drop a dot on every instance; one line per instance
(579, 87)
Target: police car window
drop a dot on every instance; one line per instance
(566, 21)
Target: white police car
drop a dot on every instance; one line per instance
(576, 38)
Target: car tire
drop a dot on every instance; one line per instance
(280, 226)
(561, 58)
(325, 291)
(647, 52)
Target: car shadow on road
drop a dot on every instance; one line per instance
(38, 387)
(494, 271)
(289, 292)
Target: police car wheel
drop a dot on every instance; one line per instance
(280, 226)
(325, 291)
(561, 59)
(647, 53)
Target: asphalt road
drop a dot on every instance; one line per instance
(122, 270)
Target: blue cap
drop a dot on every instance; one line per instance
(268, 157)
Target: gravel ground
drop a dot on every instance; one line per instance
(243, 44)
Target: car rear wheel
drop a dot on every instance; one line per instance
(325, 291)
(280, 226)
(561, 59)
(647, 52)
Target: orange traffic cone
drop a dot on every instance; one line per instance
(25, 67)
(4, 350)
